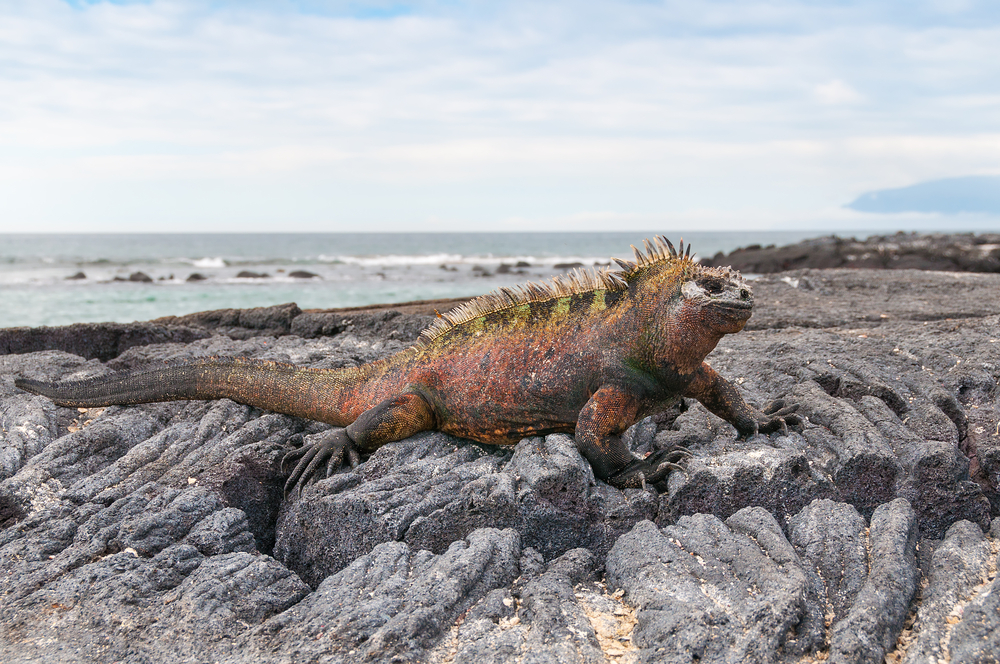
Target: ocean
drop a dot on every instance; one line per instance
(351, 269)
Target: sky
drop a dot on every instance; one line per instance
(172, 115)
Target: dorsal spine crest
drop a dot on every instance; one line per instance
(658, 252)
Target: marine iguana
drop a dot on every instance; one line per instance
(590, 354)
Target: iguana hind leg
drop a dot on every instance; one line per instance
(394, 419)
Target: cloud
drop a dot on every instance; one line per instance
(556, 109)
(837, 92)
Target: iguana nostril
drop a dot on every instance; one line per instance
(745, 294)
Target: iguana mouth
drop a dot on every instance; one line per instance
(734, 311)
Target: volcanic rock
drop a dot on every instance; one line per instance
(960, 252)
(160, 532)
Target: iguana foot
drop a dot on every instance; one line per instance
(778, 416)
(651, 470)
(333, 448)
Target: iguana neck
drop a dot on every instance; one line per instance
(675, 339)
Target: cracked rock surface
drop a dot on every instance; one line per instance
(160, 533)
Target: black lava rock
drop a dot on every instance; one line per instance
(963, 252)
(160, 532)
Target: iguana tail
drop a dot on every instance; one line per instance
(317, 394)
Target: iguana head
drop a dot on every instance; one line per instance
(711, 298)
(722, 297)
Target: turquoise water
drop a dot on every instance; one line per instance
(352, 269)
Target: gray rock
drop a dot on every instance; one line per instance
(139, 276)
(959, 566)
(876, 617)
(160, 532)
(543, 619)
(776, 475)
(866, 469)
(710, 591)
(830, 538)
(390, 604)
(239, 323)
(739, 591)
(431, 490)
(937, 251)
(91, 604)
(385, 323)
(102, 341)
(976, 639)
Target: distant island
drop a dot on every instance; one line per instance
(972, 194)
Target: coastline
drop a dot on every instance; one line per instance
(949, 252)
(60, 280)
(137, 516)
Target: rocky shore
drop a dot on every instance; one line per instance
(958, 252)
(159, 533)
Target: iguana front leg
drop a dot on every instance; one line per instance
(394, 419)
(598, 437)
(722, 398)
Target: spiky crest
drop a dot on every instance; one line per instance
(658, 252)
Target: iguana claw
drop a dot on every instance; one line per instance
(778, 416)
(333, 448)
(652, 470)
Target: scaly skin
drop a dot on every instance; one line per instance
(589, 355)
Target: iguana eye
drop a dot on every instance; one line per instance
(712, 286)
